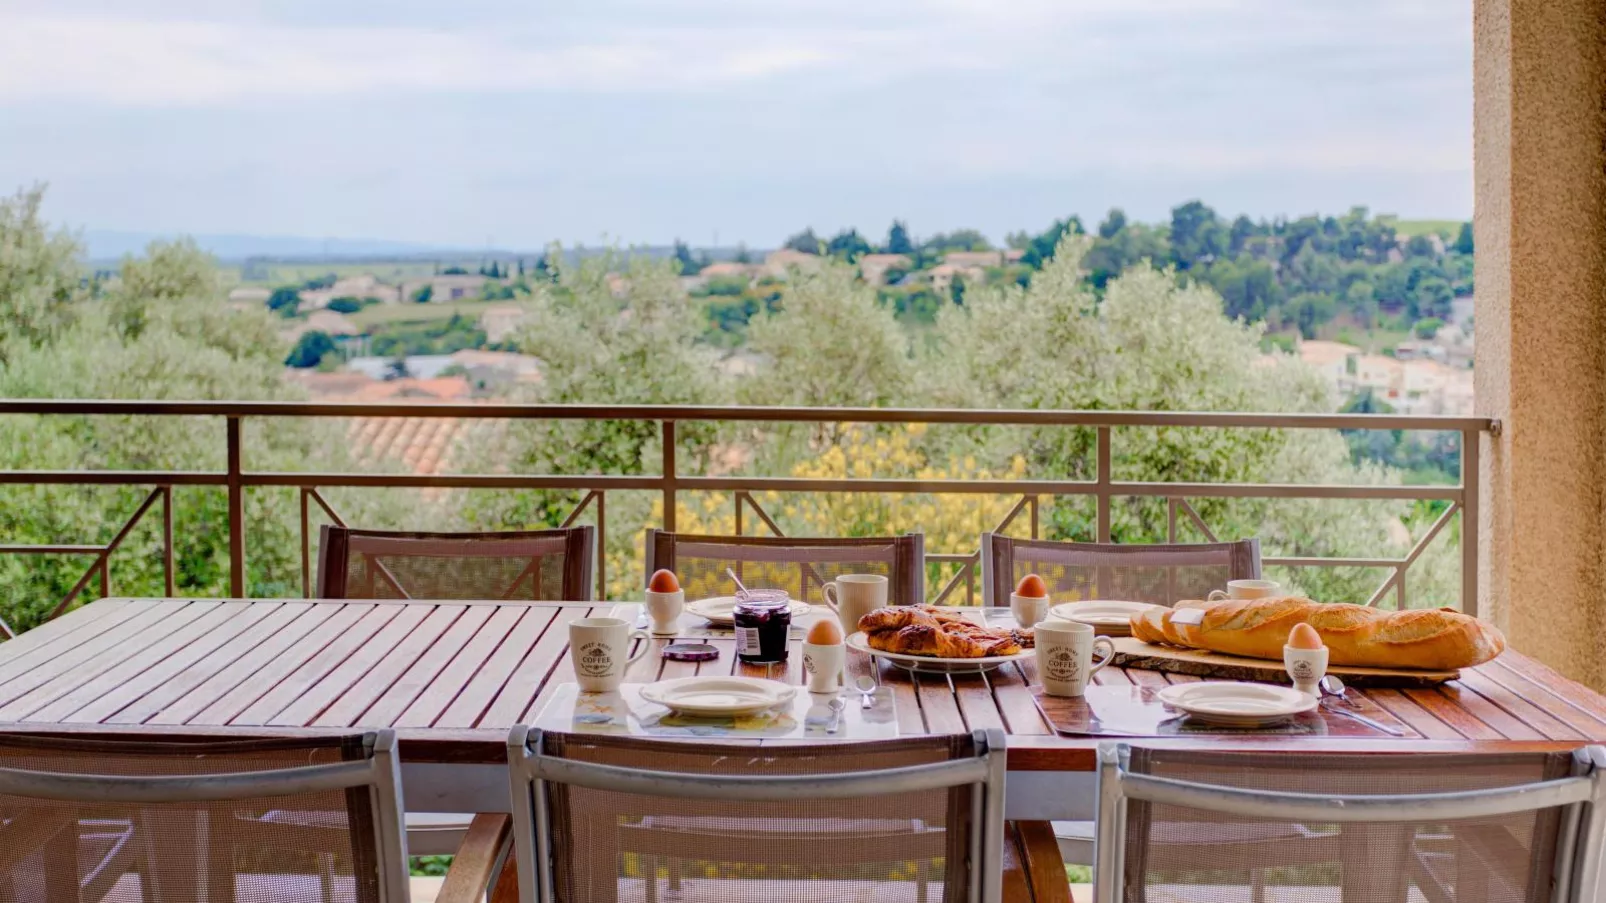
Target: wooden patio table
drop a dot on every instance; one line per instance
(452, 677)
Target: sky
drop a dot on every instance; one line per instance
(476, 123)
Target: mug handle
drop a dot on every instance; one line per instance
(641, 649)
(828, 593)
(1109, 653)
(1216, 595)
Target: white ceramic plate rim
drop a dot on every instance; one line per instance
(768, 694)
(724, 613)
(862, 643)
(1215, 698)
(1100, 612)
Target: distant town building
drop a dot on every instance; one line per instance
(874, 267)
(943, 275)
(249, 294)
(974, 258)
(502, 322)
(778, 263)
(466, 287)
(366, 285)
(1416, 381)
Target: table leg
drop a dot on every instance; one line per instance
(1376, 862)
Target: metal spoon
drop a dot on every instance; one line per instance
(739, 586)
(837, 704)
(1333, 685)
(866, 685)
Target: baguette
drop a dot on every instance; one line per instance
(1434, 639)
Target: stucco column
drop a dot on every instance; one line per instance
(1539, 141)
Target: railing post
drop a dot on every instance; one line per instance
(669, 468)
(236, 490)
(167, 539)
(1101, 489)
(1470, 476)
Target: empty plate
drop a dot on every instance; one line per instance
(720, 610)
(1236, 703)
(1106, 616)
(718, 695)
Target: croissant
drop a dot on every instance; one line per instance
(931, 640)
(895, 617)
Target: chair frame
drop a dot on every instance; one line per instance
(380, 773)
(998, 555)
(530, 770)
(908, 568)
(1578, 843)
(579, 579)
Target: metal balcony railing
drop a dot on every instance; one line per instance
(1103, 488)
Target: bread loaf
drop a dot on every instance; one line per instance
(1433, 639)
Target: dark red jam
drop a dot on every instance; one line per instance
(763, 618)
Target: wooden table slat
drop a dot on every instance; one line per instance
(339, 702)
(517, 696)
(1407, 711)
(493, 675)
(101, 705)
(1545, 688)
(423, 668)
(445, 687)
(260, 636)
(20, 653)
(1545, 726)
(323, 652)
(221, 697)
(59, 675)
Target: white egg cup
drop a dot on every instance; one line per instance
(1306, 667)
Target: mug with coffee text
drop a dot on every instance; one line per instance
(1065, 656)
(600, 650)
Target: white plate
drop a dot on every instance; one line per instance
(1237, 703)
(718, 695)
(930, 663)
(1109, 616)
(720, 610)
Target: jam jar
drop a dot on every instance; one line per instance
(763, 619)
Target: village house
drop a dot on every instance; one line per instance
(778, 263)
(366, 285)
(874, 267)
(502, 322)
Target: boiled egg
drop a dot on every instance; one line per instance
(825, 632)
(663, 582)
(1031, 586)
(1304, 636)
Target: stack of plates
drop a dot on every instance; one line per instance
(720, 610)
(1106, 617)
(716, 696)
(1236, 704)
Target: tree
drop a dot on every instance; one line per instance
(1420, 246)
(345, 305)
(1197, 234)
(957, 240)
(1041, 248)
(169, 271)
(1433, 297)
(310, 349)
(1428, 328)
(805, 241)
(689, 266)
(848, 245)
(1113, 223)
(424, 295)
(285, 300)
(898, 239)
(1463, 240)
(742, 254)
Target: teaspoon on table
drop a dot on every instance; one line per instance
(866, 685)
(1333, 688)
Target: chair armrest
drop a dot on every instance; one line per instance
(1033, 869)
(472, 869)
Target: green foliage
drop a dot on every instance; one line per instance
(346, 305)
(285, 300)
(958, 240)
(898, 241)
(688, 265)
(848, 245)
(724, 286)
(310, 349)
(805, 241)
(424, 295)
(432, 337)
(1428, 328)
(40, 282)
(1463, 240)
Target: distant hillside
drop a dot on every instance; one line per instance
(106, 244)
(1411, 227)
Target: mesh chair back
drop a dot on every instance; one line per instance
(600, 836)
(799, 565)
(545, 565)
(1076, 571)
(1211, 849)
(134, 821)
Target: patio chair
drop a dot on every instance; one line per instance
(291, 820)
(1161, 574)
(800, 823)
(799, 565)
(1365, 828)
(542, 565)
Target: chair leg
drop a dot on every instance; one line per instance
(1257, 886)
(922, 868)
(649, 868)
(674, 876)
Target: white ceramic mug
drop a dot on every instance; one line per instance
(1028, 610)
(852, 596)
(600, 650)
(822, 665)
(1247, 589)
(1065, 656)
(664, 610)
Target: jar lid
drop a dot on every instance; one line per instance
(762, 599)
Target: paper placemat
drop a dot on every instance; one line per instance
(807, 718)
(1106, 711)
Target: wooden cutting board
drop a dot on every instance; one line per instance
(1131, 652)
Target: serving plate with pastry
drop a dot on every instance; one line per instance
(927, 638)
(1244, 639)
